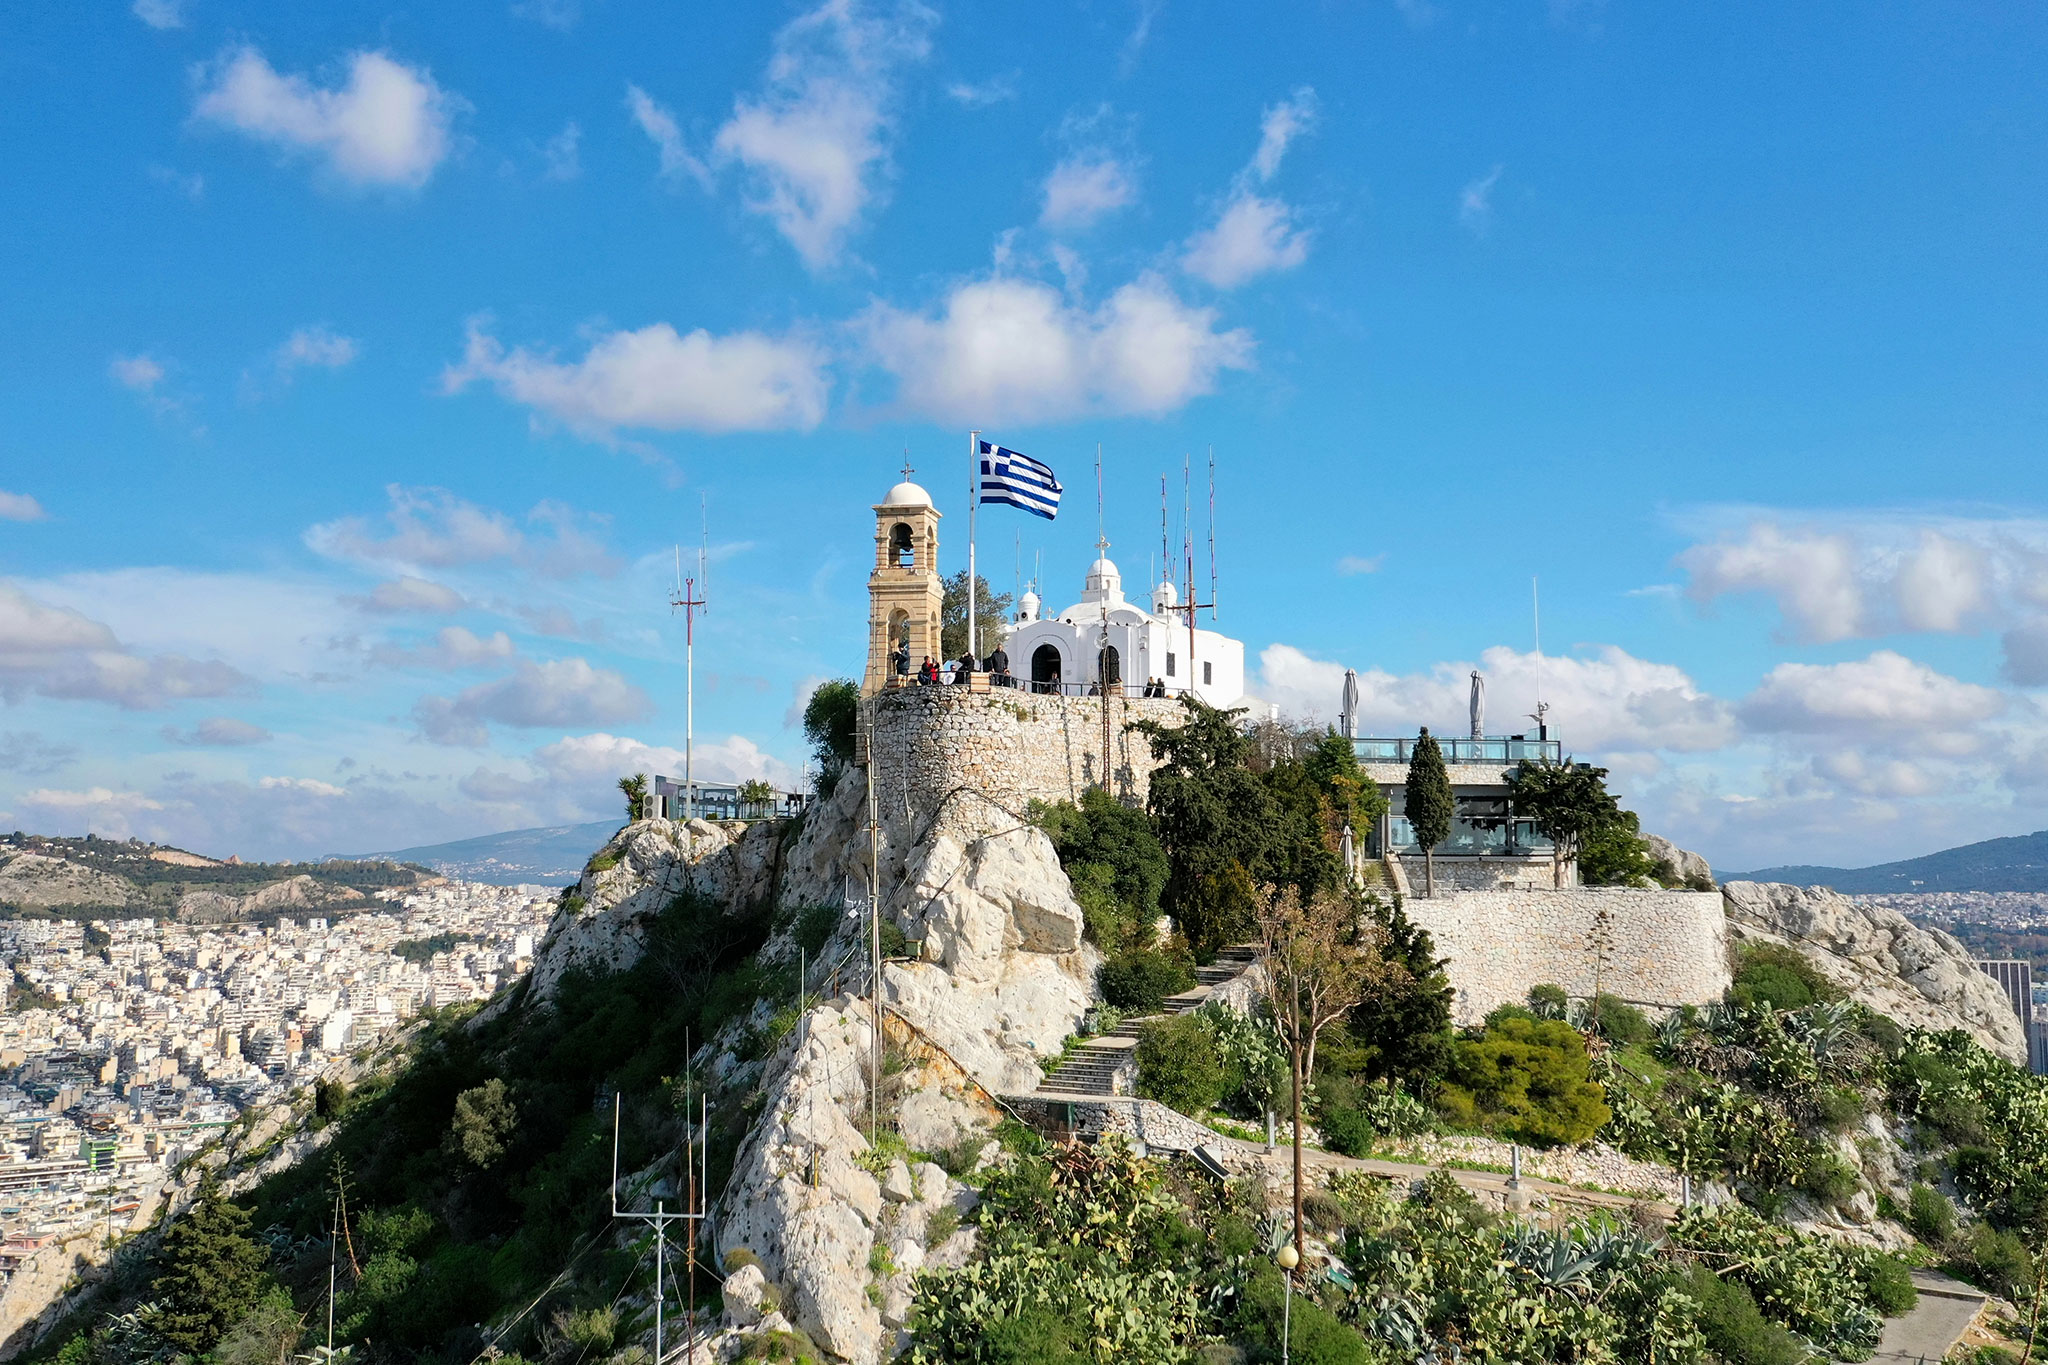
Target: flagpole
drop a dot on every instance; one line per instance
(973, 499)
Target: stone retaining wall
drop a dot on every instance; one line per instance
(1655, 948)
(972, 762)
(1140, 1121)
(1483, 874)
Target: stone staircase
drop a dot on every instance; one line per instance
(1104, 1064)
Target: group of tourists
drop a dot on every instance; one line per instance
(932, 672)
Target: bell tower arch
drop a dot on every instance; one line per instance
(904, 591)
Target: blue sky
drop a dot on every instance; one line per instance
(366, 364)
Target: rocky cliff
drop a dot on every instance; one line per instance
(996, 976)
(1920, 977)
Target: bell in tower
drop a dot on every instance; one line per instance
(904, 592)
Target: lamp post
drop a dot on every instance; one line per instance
(1287, 1260)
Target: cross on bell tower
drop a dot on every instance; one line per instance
(904, 592)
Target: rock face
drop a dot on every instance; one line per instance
(1685, 865)
(1920, 977)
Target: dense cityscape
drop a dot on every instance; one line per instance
(129, 1044)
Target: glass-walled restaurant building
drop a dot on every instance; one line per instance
(1489, 846)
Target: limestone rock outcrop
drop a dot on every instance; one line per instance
(1920, 977)
(1684, 865)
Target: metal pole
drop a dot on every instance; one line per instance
(660, 1253)
(689, 708)
(1287, 1319)
(333, 1240)
(973, 501)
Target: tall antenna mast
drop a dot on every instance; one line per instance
(1542, 707)
(1192, 602)
(663, 1191)
(689, 596)
(1212, 533)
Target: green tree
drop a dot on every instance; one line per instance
(1614, 854)
(1568, 801)
(1179, 1065)
(757, 793)
(991, 610)
(1406, 1019)
(1528, 1079)
(831, 718)
(634, 789)
(212, 1272)
(1215, 819)
(483, 1124)
(1430, 804)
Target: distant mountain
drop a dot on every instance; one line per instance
(93, 877)
(542, 857)
(2019, 863)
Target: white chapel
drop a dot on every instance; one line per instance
(1107, 637)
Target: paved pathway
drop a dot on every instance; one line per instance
(1945, 1311)
(1485, 1184)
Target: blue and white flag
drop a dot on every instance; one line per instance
(1018, 481)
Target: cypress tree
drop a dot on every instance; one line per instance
(1430, 804)
(212, 1272)
(1407, 1017)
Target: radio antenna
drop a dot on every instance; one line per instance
(1212, 533)
(689, 597)
(1542, 707)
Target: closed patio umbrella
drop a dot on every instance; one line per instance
(1478, 705)
(1348, 722)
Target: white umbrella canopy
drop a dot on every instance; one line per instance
(1478, 705)
(1349, 721)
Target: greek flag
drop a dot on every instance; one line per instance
(1018, 481)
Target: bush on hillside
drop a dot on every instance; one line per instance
(1774, 976)
(1525, 1078)
(1734, 1328)
(1141, 980)
(1890, 1285)
(1997, 1260)
(1549, 1002)
(1931, 1216)
(1619, 1022)
(1178, 1064)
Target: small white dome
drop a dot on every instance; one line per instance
(907, 494)
(1164, 598)
(1027, 606)
(1103, 577)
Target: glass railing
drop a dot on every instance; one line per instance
(1493, 750)
(1493, 839)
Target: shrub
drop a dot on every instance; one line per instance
(1734, 1328)
(1254, 1061)
(1931, 1216)
(1347, 1132)
(1528, 1079)
(1997, 1260)
(1142, 979)
(1890, 1285)
(814, 925)
(1178, 1064)
(1621, 1023)
(1773, 976)
(1838, 1108)
(1828, 1178)
(1548, 1002)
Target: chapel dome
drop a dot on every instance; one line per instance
(907, 494)
(1027, 606)
(1103, 576)
(1164, 598)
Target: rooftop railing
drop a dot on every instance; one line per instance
(1505, 751)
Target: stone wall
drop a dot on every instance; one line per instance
(1653, 948)
(1147, 1123)
(1484, 874)
(971, 762)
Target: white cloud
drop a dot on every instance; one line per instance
(2026, 653)
(1475, 201)
(555, 14)
(429, 526)
(160, 14)
(1854, 771)
(813, 144)
(452, 648)
(1085, 187)
(409, 594)
(559, 152)
(1141, 33)
(982, 94)
(660, 126)
(96, 799)
(60, 653)
(1837, 576)
(389, 124)
(190, 184)
(1812, 576)
(312, 786)
(269, 625)
(1605, 702)
(660, 379)
(1349, 565)
(315, 347)
(1940, 585)
(27, 753)
(218, 732)
(564, 692)
(1006, 349)
(1886, 692)
(600, 760)
(20, 507)
(1254, 236)
(137, 372)
(1279, 126)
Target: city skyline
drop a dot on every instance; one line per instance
(370, 367)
